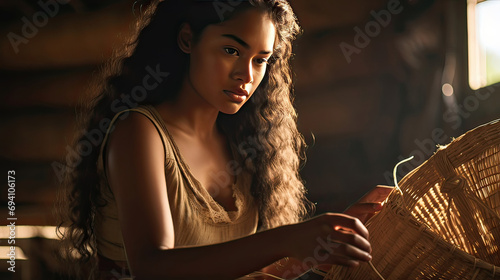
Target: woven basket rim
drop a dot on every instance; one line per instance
(452, 249)
(456, 156)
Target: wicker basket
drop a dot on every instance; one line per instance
(446, 222)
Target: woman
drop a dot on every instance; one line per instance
(197, 176)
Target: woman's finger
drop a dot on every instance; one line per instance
(355, 253)
(363, 211)
(350, 238)
(350, 252)
(347, 222)
(363, 208)
(377, 194)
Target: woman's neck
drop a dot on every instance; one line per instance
(190, 113)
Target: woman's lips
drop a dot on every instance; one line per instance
(237, 95)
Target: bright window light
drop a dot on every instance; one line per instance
(484, 42)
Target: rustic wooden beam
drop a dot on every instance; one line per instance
(326, 14)
(55, 89)
(36, 137)
(66, 40)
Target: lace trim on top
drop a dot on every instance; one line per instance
(210, 209)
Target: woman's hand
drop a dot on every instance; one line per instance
(329, 239)
(369, 204)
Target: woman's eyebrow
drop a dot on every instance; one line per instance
(242, 42)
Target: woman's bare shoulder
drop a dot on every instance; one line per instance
(134, 129)
(136, 176)
(134, 148)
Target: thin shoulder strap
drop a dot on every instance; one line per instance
(141, 109)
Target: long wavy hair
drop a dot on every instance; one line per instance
(264, 130)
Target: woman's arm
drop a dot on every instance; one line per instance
(363, 209)
(135, 168)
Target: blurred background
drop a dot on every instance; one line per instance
(376, 81)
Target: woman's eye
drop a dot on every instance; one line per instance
(261, 60)
(231, 51)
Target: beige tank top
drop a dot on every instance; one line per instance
(198, 219)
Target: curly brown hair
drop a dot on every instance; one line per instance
(264, 129)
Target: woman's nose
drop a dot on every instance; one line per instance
(244, 71)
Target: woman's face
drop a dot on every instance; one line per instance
(229, 60)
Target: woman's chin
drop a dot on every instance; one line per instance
(230, 110)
